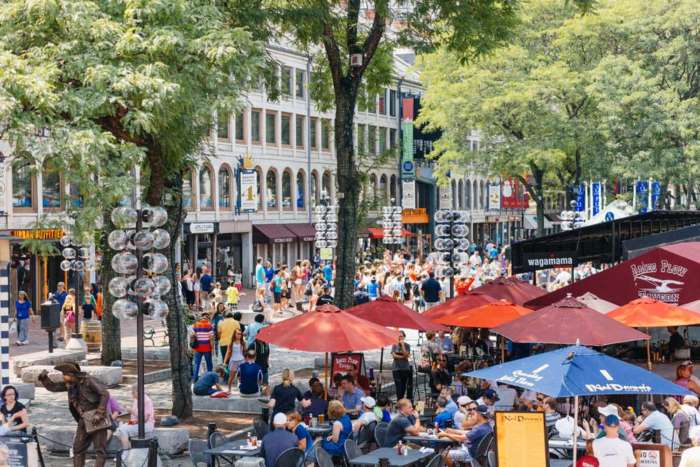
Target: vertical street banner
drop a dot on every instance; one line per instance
(509, 194)
(596, 198)
(581, 198)
(655, 195)
(408, 170)
(641, 188)
(249, 191)
(494, 197)
(408, 190)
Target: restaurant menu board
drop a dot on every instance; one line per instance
(521, 439)
(344, 362)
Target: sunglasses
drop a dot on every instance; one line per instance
(471, 409)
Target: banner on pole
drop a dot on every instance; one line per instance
(596, 198)
(641, 188)
(249, 190)
(408, 190)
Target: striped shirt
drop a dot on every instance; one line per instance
(203, 332)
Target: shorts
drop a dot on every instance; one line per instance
(429, 305)
(277, 297)
(233, 366)
(460, 455)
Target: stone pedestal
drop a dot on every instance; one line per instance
(46, 358)
(108, 375)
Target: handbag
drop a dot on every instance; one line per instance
(94, 422)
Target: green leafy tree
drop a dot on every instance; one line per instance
(529, 102)
(119, 84)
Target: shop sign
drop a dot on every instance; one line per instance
(326, 254)
(345, 362)
(202, 228)
(550, 260)
(37, 234)
(408, 195)
(408, 169)
(662, 280)
(415, 216)
(249, 190)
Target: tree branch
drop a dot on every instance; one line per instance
(333, 55)
(371, 43)
(351, 24)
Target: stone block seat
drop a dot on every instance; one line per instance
(45, 358)
(110, 376)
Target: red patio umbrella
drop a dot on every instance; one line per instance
(328, 329)
(459, 304)
(511, 289)
(389, 312)
(566, 322)
(486, 316)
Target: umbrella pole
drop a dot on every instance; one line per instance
(575, 446)
(648, 352)
(503, 349)
(379, 376)
(325, 376)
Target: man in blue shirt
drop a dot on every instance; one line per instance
(373, 289)
(328, 273)
(351, 395)
(205, 282)
(431, 290)
(23, 310)
(443, 419)
(250, 375)
(260, 281)
(278, 440)
(470, 439)
(208, 383)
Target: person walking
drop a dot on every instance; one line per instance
(59, 296)
(68, 312)
(86, 398)
(23, 310)
(206, 285)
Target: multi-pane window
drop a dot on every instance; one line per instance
(392, 103)
(286, 129)
(240, 127)
(300, 78)
(372, 104)
(312, 134)
(270, 128)
(224, 188)
(325, 134)
(361, 131)
(51, 188)
(255, 126)
(382, 140)
(392, 138)
(222, 130)
(372, 139)
(22, 186)
(286, 83)
(300, 125)
(382, 103)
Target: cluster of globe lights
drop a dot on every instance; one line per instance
(392, 225)
(451, 240)
(127, 287)
(326, 225)
(75, 257)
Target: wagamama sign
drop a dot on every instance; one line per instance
(661, 280)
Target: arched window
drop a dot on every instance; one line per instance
(187, 191)
(454, 194)
(481, 194)
(225, 187)
(326, 184)
(314, 188)
(373, 188)
(23, 184)
(468, 195)
(460, 194)
(300, 190)
(383, 191)
(475, 195)
(287, 190)
(392, 187)
(206, 185)
(52, 196)
(271, 189)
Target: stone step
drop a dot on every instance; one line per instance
(152, 377)
(237, 404)
(46, 358)
(59, 439)
(108, 375)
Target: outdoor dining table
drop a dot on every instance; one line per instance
(233, 450)
(429, 441)
(321, 429)
(413, 456)
(560, 443)
(560, 462)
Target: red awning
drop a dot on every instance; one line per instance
(305, 232)
(377, 232)
(272, 233)
(668, 274)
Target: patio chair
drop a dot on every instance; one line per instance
(293, 457)
(380, 432)
(436, 461)
(365, 436)
(323, 459)
(486, 444)
(196, 447)
(216, 439)
(352, 451)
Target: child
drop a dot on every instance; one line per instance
(232, 296)
(383, 409)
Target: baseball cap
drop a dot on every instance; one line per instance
(279, 419)
(608, 410)
(369, 401)
(491, 394)
(463, 400)
(612, 420)
(483, 410)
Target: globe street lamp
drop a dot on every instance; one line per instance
(140, 285)
(326, 226)
(451, 243)
(76, 258)
(392, 225)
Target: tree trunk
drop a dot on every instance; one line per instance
(165, 189)
(111, 330)
(348, 195)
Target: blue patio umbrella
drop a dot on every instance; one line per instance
(578, 371)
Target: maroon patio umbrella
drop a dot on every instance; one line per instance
(388, 312)
(459, 304)
(567, 322)
(511, 289)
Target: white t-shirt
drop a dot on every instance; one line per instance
(613, 452)
(690, 457)
(458, 419)
(692, 413)
(658, 421)
(367, 417)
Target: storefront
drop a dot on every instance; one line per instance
(304, 246)
(233, 250)
(200, 244)
(273, 242)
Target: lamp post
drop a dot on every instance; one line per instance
(571, 219)
(76, 258)
(140, 286)
(326, 225)
(392, 225)
(451, 243)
